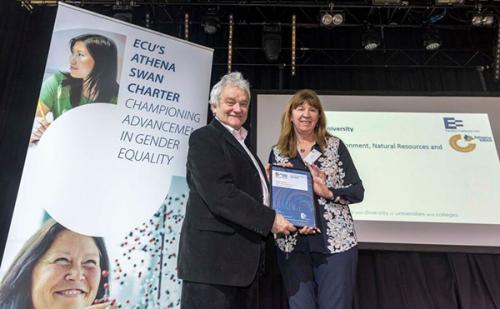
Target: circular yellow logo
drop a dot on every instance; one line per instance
(469, 140)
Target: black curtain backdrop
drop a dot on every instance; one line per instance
(410, 280)
(386, 279)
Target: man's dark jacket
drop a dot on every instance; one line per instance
(226, 221)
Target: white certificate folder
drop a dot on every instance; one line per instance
(292, 195)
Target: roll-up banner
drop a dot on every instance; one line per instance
(102, 195)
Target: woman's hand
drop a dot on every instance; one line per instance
(319, 182)
(41, 124)
(43, 118)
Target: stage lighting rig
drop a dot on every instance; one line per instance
(483, 19)
(271, 42)
(332, 18)
(431, 40)
(371, 39)
(211, 21)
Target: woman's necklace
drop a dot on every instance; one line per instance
(304, 146)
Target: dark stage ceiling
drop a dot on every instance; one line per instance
(402, 32)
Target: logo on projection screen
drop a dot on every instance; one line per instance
(465, 144)
(452, 123)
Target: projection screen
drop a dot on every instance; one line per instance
(429, 165)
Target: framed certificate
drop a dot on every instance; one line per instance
(292, 195)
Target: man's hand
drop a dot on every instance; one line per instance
(282, 226)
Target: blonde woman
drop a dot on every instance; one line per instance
(319, 264)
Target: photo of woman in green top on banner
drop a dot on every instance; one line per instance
(91, 78)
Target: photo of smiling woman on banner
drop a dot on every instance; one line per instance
(57, 268)
(91, 78)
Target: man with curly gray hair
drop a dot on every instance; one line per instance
(228, 217)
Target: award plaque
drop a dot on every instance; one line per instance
(292, 195)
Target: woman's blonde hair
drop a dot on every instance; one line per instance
(287, 142)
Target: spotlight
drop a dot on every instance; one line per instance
(332, 18)
(211, 22)
(338, 18)
(271, 42)
(326, 19)
(211, 25)
(483, 20)
(370, 39)
(431, 40)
